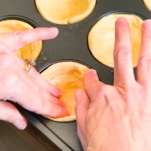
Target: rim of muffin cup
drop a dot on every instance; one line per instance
(115, 12)
(20, 18)
(44, 67)
(120, 12)
(66, 24)
(106, 14)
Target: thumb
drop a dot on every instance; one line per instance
(92, 84)
(82, 105)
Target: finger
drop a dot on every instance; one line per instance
(27, 93)
(53, 99)
(18, 39)
(42, 82)
(39, 101)
(24, 37)
(37, 77)
(82, 105)
(92, 84)
(144, 61)
(9, 113)
(123, 68)
(30, 95)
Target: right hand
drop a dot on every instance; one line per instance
(118, 117)
(29, 90)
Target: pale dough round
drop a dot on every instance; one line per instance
(101, 38)
(68, 77)
(148, 4)
(29, 51)
(65, 11)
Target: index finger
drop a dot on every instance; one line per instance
(123, 68)
(16, 40)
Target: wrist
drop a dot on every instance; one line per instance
(97, 139)
(100, 140)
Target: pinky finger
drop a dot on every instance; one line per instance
(9, 113)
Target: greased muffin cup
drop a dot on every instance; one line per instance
(12, 23)
(101, 36)
(68, 76)
(72, 44)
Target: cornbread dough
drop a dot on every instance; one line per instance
(147, 4)
(65, 11)
(101, 38)
(68, 77)
(30, 51)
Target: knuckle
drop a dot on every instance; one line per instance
(11, 118)
(145, 61)
(6, 60)
(40, 103)
(18, 36)
(147, 36)
(103, 91)
(9, 79)
(37, 30)
(122, 53)
(41, 108)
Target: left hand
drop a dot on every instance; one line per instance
(29, 90)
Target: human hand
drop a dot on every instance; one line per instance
(29, 90)
(118, 118)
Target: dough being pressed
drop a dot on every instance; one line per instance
(68, 77)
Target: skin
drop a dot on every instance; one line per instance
(29, 90)
(118, 117)
(109, 118)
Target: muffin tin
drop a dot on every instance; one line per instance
(71, 44)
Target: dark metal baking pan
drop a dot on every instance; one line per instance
(71, 43)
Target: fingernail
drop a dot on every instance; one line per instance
(147, 24)
(122, 21)
(54, 30)
(20, 124)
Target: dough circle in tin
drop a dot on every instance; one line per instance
(68, 76)
(65, 11)
(101, 38)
